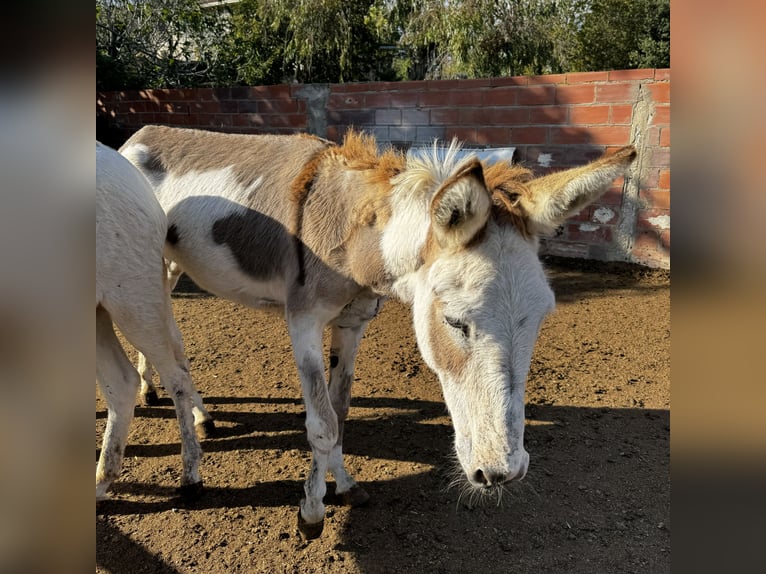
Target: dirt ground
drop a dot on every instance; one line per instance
(596, 498)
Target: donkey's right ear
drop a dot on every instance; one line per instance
(461, 206)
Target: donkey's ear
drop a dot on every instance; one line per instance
(556, 197)
(460, 207)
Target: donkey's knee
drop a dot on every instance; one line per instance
(322, 432)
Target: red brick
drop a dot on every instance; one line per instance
(529, 135)
(612, 197)
(583, 94)
(278, 106)
(511, 116)
(248, 120)
(664, 182)
(475, 84)
(656, 199)
(408, 85)
(660, 92)
(584, 77)
(642, 74)
(662, 74)
(443, 116)
(660, 157)
(433, 98)
(473, 116)
(645, 241)
(215, 120)
(276, 92)
(644, 215)
(547, 79)
(603, 135)
(536, 95)
(346, 101)
(210, 107)
(285, 120)
(622, 114)
(351, 88)
(493, 136)
(500, 96)
(404, 99)
(665, 136)
(589, 115)
(665, 240)
(464, 98)
(462, 133)
(652, 137)
(511, 81)
(377, 100)
(619, 92)
(549, 115)
(661, 115)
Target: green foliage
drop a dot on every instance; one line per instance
(624, 34)
(161, 43)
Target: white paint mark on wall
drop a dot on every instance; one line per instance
(588, 227)
(661, 221)
(545, 159)
(603, 214)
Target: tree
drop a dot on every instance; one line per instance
(623, 34)
(155, 43)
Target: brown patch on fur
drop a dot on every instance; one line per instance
(507, 184)
(300, 188)
(447, 353)
(359, 151)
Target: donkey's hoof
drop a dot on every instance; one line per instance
(151, 399)
(309, 531)
(205, 429)
(355, 496)
(190, 492)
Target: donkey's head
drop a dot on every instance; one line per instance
(479, 293)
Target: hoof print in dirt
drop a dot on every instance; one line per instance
(205, 429)
(190, 492)
(151, 399)
(356, 496)
(309, 531)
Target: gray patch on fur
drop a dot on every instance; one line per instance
(258, 243)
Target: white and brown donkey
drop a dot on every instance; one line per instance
(327, 231)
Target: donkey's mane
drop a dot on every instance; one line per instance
(507, 183)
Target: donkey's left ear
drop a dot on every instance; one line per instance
(460, 207)
(554, 198)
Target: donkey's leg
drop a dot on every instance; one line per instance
(343, 350)
(118, 381)
(153, 331)
(148, 390)
(203, 421)
(321, 421)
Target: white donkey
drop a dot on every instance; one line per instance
(132, 290)
(328, 231)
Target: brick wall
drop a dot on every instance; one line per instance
(553, 121)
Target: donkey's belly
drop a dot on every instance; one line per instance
(216, 270)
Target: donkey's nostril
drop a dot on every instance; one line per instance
(490, 478)
(479, 477)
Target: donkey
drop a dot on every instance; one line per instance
(132, 290)
(328, 231)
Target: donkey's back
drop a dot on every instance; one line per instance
(228, 200)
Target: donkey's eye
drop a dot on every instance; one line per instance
(456, 324)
